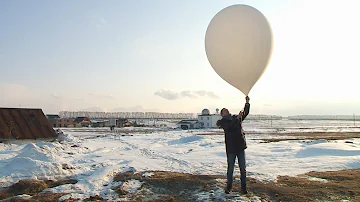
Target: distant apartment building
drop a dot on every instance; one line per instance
(101, 123)
(57, 122)
(82, 122)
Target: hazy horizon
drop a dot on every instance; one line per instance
(213, 112)
(150, 56)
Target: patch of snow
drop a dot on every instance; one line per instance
(185, 140)
(66, 188)
(64, 137)
(98, 182)
(317, 179)
(73, 196)
(219, 195)
(148, 174)
(34, 161)
(328, 149)
(132, 185)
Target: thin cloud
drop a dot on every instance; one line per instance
(212, 95)
(188, 94)
(167, 94)
(207, 93)
(201, 92)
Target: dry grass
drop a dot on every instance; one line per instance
(96, 198)
(314, 136)
(172, 186)
(29, 187)
(183, 181)
(341, 185)
(124, 176)
(46, 197)
(301, 136)
(33, 188)
(52, 183)
(342, 175)
(169, 186)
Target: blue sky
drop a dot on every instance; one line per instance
(149, 55)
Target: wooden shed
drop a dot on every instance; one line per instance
(23, 123)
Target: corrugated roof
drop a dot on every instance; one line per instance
(52, 116)
(22, 123)
(81, 119)
(209, 115)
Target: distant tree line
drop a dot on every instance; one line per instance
(127, 115)
(158, 115)
(324, 117)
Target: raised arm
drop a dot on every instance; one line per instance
(246, 110)
(244, 114)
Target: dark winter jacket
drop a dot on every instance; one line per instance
(234, 137)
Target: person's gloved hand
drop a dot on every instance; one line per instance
(241, 113)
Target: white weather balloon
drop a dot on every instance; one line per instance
(238, 44)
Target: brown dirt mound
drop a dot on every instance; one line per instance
(33, 188)
(46, 197)
(29, 187)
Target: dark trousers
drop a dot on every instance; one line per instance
(231, 163)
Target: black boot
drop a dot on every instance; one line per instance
(228, 189)
(244, 190)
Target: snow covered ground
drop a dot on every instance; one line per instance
(93, 158)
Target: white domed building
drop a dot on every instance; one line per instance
(208, 120)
